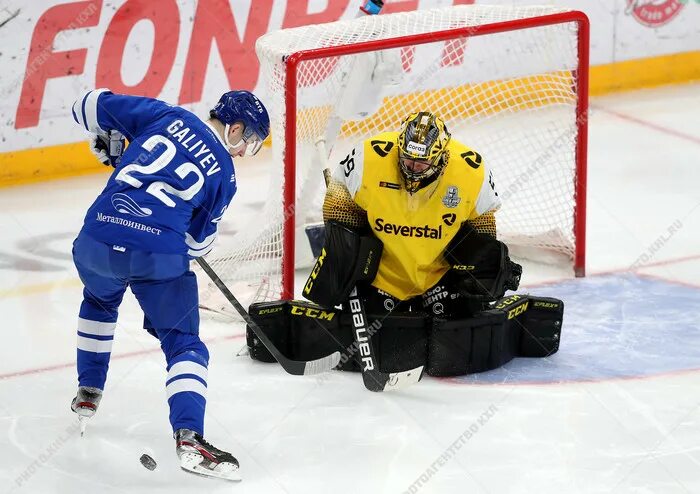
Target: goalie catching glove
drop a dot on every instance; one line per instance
(481, 264)
(347, 258)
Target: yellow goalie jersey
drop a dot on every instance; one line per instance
(367, 188)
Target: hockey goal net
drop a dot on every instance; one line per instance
(510, 82)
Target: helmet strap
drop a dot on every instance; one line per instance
(240, 142)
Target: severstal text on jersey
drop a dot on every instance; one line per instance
(425, 231)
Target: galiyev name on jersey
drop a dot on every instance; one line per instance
(189, 140)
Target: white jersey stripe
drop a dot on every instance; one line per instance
(95, 346)
(204, 244)
(78, 111)
(350, 169)
(488, 199)
(186, 386)
(90, 107)
(200, 253)
(187, 367)
(96, 328)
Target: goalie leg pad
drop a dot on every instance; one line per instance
(474, 344)
(301, 332)
(537, 319)
(401, 340)
(296, 328)
(541, 327)
(309, 341)
(517, 326)
(273, 319)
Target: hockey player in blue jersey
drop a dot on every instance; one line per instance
(159, 209)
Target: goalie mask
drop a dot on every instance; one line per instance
(422, 146)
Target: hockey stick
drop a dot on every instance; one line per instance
(294, 367)
(372, 377)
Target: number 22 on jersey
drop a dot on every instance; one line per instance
(160, 189)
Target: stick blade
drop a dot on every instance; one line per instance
(321, 365)
(379, 381)
(398, 380)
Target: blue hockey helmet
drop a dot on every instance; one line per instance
(244, 107)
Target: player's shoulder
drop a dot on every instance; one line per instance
(370, 158)
(467, 167)
(380, 153)
(179, 117)
(194, 134)
(382, 146)
(464, 158)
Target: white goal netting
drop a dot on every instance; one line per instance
(510, 91)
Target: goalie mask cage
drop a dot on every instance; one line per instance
(510, 82)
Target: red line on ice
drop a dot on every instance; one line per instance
(664, 130)
(39, 370)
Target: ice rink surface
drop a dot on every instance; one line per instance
(616, 410)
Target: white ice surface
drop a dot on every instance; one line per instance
(587, 420)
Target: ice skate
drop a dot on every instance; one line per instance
(85, 404)
(199, 457)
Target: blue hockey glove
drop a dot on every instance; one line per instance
(372, 7)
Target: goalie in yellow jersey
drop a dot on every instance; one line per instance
(410, 252)
(430, 201)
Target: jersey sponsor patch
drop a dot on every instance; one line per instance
(415, 147)
(449, 218)
(128, 223)
(382, 148)
(451, 198)
(472, 159)
(126, 205)
(654, 13)
(425, 231)
(389, 185)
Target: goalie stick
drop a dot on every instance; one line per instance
(294, 367)
(372, 377)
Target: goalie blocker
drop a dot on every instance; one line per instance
(346, 259)
(516, 326)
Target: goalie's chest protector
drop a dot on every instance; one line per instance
(414, 228)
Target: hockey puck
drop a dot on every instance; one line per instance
(148, 462)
